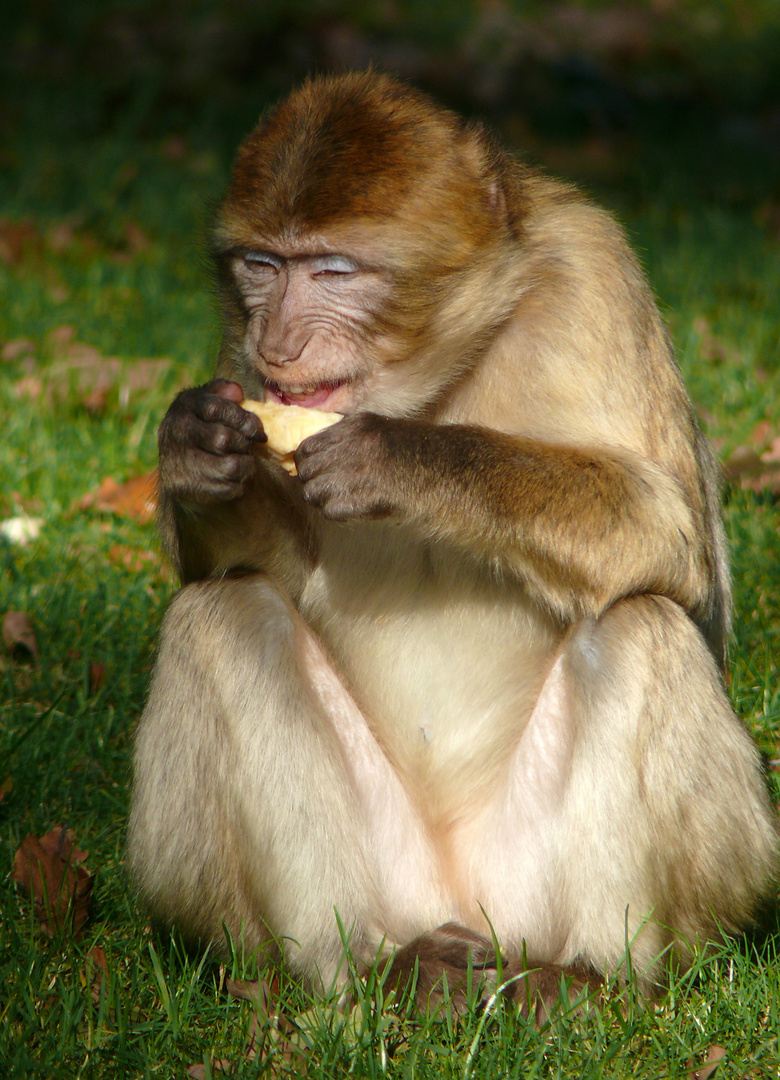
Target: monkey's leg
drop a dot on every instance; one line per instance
(679, 828)
(635, 813)
(261, 799)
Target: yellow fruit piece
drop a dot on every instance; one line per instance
(286, 426)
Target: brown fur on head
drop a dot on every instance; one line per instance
(368, 148)
(363, 165)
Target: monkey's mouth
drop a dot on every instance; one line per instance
(309, 397)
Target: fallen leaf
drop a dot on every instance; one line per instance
(136, 498)
(13, 350)
(711, 348)
(133, 559)
(61, 236)
(174, 148)
(761, 434)
(715, 1054)
(81, 371)
(271, 1032)
(200, 1072)
(50, 868)
(768, 216)
(18, 633)
(6, 787)
(255, 990)
(61, 335)
(97, 958)
(29, 386)
(135, 238)
(17, 238)
(756, 465)
(91, 377)
(97, 675)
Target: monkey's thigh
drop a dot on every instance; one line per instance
(635, 794)
(261, 799)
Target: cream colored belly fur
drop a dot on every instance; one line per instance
(442, 671)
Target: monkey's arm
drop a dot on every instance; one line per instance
(581, 527)
(220, 507)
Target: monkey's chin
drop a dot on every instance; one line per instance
(325, 396)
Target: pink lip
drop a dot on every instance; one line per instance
(310, 399)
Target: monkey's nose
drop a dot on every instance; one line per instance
(282, 354)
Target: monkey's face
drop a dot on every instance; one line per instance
(309, 322)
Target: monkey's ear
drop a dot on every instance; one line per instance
(484, 158)
(497, 198)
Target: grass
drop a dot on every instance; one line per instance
(114, 249)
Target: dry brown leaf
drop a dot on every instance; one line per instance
(50, 868)
(255, 990)
(97, 958)
(6, 787)
(199, 1072)
(61, 236)
(18, 633)
(715, 1054)
(61, 335)
(270, 1030)
(761, 434)
(17, 238)
(711, 348)
(92, 377)
(14, 350)
(136, 498)
(80, 370)
(768, 216)
(174, 148)
(756, 465)
(133, 559)
(29, 386)
(135, 238)
(97, 675)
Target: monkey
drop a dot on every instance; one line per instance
(460, 680)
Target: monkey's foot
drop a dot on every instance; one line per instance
(468, 963)
(542, 990)
(465, 959)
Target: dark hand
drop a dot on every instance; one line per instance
(206, 442)
(345, 468)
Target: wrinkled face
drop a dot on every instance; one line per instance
(310, 317)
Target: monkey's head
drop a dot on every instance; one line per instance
(365, 235)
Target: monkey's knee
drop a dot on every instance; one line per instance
(651, 706)
(218, 621)
(641, 640)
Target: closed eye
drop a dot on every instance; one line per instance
(333, 264)
(259, 260)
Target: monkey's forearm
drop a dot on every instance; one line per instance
(582, 528)
(249, 533)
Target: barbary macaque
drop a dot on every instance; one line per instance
(460, 679)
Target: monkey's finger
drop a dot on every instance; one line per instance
(211, 408)
(188, 431)
(217, 410)
(200, 476)
(226, 388)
